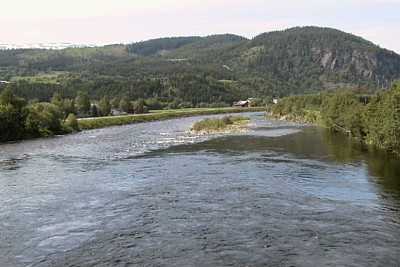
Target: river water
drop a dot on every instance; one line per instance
(283, 194)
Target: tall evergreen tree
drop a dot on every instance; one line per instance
(94, 112)
(125, 105)
(82, 102)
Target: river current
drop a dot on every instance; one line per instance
(152, 194)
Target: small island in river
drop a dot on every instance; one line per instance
(226, 124)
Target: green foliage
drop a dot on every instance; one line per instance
(341, 112)
(71, 124)
(8, 97)
(82, 103)
(104, 106)
(94, 111)
(151, 47)
(140, 107)
(44, 119)
(125, 105)
(257, 102)
(382, 117)
(69, 107)
(289, 57)
(298, 107)
(18, 120)
(42, 91)
(11, 127)
(185, 105)
(212, 69)
(12, 116)
(391, 113)
(66, 106)
(217, 124)
(376, 121)
(153, 104)
(57, 100)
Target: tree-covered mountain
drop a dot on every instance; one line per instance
(213, 69)
(312, 58)
(151, 47)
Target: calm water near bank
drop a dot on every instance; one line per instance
(151, 194)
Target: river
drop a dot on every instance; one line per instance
(152, 194)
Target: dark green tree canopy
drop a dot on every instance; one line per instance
(212, 69)
(82, 102)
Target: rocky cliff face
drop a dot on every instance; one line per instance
(348, 63)
(357, 66)
(337, 58)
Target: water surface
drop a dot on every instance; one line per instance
(284, 194)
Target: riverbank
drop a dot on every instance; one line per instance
(373, 120)
(313, 118)
(93, 123)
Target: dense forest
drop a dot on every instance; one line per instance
(217, 69)
(20, 119)
(43, 91)
(373, 119)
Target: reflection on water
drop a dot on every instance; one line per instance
(383, 168)
(308, 143)
(285, 194)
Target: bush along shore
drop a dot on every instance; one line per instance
(373, 119)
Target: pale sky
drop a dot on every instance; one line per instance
(101, 22)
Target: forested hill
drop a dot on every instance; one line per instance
(190, 44)
(213, 69)
(330, 57)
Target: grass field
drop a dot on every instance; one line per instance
(42, 77)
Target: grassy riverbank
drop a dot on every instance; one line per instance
(92, 123)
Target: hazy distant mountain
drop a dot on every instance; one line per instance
(55, 46)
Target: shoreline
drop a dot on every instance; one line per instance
(318, 123)
(155, 115)
(158, 115)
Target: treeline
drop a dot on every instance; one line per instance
(150, 47)
(374, 119)
(293, 61)
(23, 119)
(20, 119)
(179, 88)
